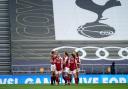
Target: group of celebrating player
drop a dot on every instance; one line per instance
(65, 65)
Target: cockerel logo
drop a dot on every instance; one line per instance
(96, 29)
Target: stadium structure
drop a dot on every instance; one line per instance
(30, 29)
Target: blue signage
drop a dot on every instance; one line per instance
(45, 79)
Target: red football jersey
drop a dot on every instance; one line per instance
(72, 64)
(53, 58)
(58, 63)
(78, 62)
(65, 61)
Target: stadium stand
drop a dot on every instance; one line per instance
(31, 46)
(5, 61)
(28, 48)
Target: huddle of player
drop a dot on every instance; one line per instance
(66, 65)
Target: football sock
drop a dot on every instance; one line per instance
(51, 80)
(76, 80)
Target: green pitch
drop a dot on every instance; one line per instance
(81, 86)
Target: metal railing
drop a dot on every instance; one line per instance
(84, 69)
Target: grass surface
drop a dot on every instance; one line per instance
(81, 86)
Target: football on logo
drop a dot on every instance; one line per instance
(98, 30)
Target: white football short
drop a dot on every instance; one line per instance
(53, 67)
